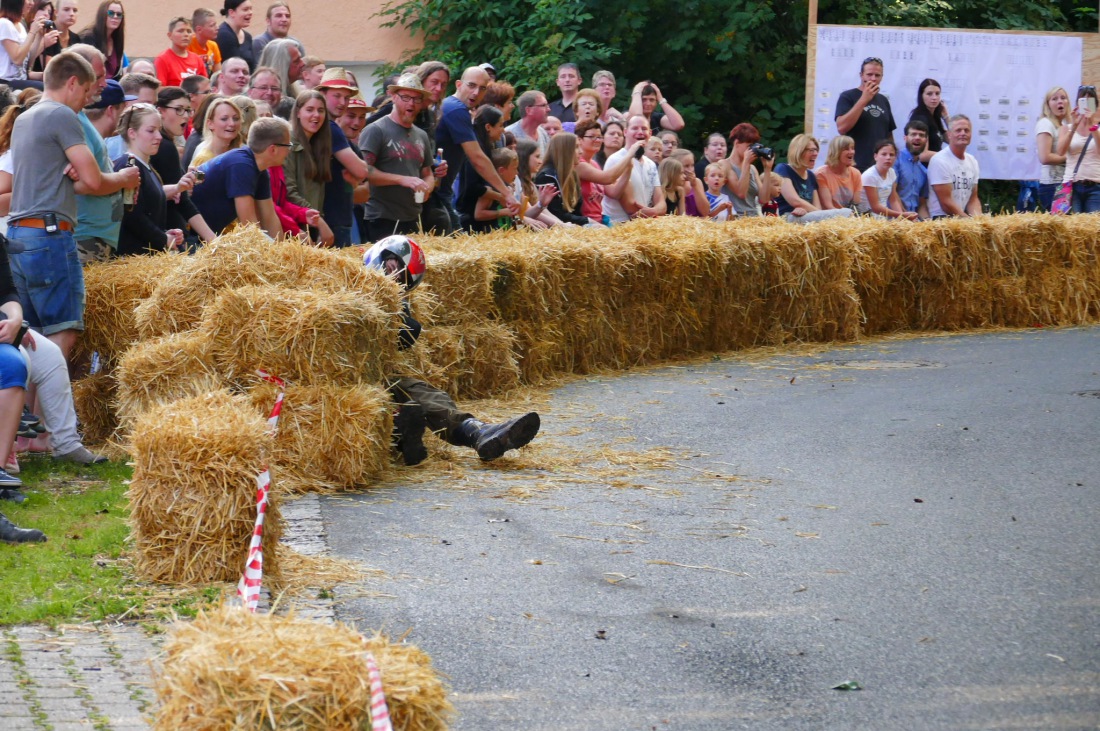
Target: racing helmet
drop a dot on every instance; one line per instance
(408, 255)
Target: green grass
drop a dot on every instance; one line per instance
(81, 573)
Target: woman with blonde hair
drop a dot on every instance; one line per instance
(560, 169)
(145, 224)
(1056, 107)
(221, 131)
(799, 201)
(839, 179)
(671, 173)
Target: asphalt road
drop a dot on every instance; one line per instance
(917, 516)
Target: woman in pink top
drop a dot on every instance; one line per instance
(839, 182)
(593, 179)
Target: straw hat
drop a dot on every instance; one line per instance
(409, 82)
(358, 102)
(337, 78)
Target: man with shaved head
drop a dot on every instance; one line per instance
(455, 134)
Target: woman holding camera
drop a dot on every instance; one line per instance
(747, 188)
(20, 45)
(1079, 141)
(64, 19)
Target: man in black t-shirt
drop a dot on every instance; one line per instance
(864, 114)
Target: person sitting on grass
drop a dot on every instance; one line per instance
(422, 406)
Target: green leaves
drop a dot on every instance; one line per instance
(719, 63)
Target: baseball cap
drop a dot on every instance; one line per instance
(112, 94)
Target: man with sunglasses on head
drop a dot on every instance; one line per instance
(864, 114)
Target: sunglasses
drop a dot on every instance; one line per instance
(114, 13)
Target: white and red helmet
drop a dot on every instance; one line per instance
(408, 255)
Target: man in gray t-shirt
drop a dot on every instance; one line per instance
(46, 140)
(399, 156)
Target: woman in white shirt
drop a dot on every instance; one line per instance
(19, 45)
(1081, 130)
(1055, 114)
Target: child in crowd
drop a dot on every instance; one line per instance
(880, 190)
(655, 149)
(488, 213)
(720, 203)
(695, 195)
(671, 173)
(523, 188)
(771, 208)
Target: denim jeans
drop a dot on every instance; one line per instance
(1086, 197)
(47, 273)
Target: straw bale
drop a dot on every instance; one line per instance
(193, 492)
(159, 371)
(113, 290)
(247, 257)
(462, 283)
(93, 397)
(305, 336)
(230, 669)
(328, 437)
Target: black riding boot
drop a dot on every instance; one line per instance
(493, 440)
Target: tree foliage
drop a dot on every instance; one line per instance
(719, 63)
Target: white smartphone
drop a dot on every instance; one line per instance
(1086, 105)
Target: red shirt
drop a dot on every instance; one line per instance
(172, 68)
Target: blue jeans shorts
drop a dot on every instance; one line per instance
(13, 368)
(47, 273)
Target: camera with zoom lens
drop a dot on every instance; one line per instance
(764, 153)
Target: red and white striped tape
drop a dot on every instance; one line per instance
(249, 587)
(379, 711)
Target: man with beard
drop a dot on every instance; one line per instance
(399, 156)
(912, 175)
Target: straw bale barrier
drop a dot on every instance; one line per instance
(193, 493)
(229, 669)
(329, 437)
(113, 291)
(468, 361)
(247, 257)
(94, 400)
(305, 336)
(162, 370)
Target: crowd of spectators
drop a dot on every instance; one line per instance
(224, 129)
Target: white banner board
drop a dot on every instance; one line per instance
(997, 79)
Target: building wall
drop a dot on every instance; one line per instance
(322, 26)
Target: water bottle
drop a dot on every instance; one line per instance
(129, 194)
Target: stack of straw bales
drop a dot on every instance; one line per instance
(330, 437)
(232, 669)
(193, 493)
(519, 307)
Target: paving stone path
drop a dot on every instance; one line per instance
(99, 676)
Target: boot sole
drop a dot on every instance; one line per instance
(519, 435)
